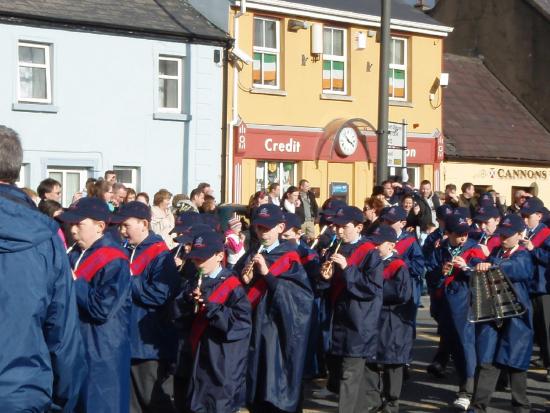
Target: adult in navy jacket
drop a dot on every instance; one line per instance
(155, 282)
(42, 365)
(507, 346)
(102, 281)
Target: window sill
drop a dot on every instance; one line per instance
(34, 107)
(401, 103)
(330, 96)
(177, 117)
(273, 92)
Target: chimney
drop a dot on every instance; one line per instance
(420, 5)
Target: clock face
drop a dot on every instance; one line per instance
(347, 141)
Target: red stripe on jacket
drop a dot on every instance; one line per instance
(97, 260)
(138, 265)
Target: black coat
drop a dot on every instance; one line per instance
(425, 214)
(314, 207)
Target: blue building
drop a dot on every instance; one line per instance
(135, 86)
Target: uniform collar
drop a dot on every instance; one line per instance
(214, 274)
(272, 246)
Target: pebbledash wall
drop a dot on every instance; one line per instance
(104, 112)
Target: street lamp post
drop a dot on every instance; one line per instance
(383, 98)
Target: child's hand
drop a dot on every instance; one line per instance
(339, 260)
(260, 263)
(483, 266)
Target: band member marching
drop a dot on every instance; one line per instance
(102, 280)
(282, 299)
(508, 344)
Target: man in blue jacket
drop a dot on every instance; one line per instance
(155, 282)
(42, 365)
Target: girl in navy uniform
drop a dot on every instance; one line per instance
(396, 324)
(102, 280)
(507, 346)
(220, 331)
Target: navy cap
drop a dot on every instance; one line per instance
(395, 214)
(134, 209)
(485, 213)
(532, 205)
(463, 212)
(268, 216)
(457, 224)
(186, 219)
(348, 214)
(443, 211)
(510, 225)
(486, 199)
(383, 233)
(206, 245)
(292, 220)
(331, 206)
(187, 234)
(88, 207)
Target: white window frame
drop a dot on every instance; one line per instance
(46, 65)
(24, 174)
(83, 173)
(401, 67)
(136, 173)
(178, 77)
(262, 50)
(282, 190)
(335, 58)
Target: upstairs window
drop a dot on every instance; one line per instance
(170, 83)
(334, 60)
(34, 71)
(265, 69)
(398, 69)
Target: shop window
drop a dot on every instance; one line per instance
(129, 176)
(334, 60)
(72, 181)
(398, 69)
(270, 172)
(34, 64)
(170, 80)
(265, 69)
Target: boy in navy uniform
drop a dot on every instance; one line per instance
(507, 346)
(356, 298)
(155, 282)
(282, 299)
(220, 331)
(537, 242)
(102, 280)
(487, 218)
(449, 279)
(396, 324)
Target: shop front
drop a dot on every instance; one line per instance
(338, 160)
(503, 178)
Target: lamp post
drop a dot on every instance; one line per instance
(383, 98)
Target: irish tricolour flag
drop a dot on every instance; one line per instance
(397, 83)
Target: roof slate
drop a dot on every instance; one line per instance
(399, 9)
(484, 120)
(176, 18)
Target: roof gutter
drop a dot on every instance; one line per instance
(515, 161)
(322, 13)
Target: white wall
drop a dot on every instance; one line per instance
(104, 89)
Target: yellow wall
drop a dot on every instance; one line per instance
(303, 107)
(488, 174)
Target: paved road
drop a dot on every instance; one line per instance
(424, 393)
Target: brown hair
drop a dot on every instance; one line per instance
(375, 203)
(99, 188)
(160, 196)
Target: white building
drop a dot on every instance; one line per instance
(92, 85)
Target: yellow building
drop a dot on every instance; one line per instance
(303, 95)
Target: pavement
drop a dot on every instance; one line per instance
(424, 393)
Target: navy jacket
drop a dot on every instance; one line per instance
(412, 254)
(104, 308)
(540, 237)
(281, 322)
(396, 323)
(154, 336)
(42, 365)
(356, 309)
(218, 367)
(512, 344)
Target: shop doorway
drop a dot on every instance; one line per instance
(270, 172)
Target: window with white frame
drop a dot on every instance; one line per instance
(265, 69)
(34, 73)
(72, 180)
(23, 180)
(275, 172)
(170, 84)
(398, 69)
(334, 60)
(129, 176)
